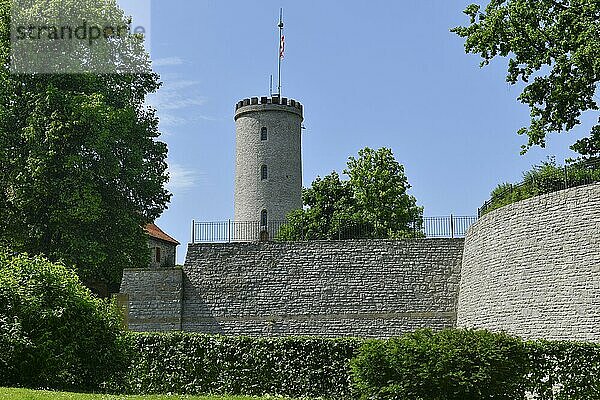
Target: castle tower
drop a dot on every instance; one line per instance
(268, 169)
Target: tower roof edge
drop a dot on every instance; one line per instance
(264, 103)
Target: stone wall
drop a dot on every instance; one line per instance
(167, 253)
(153, 298)
(325, 288)
(533, 268)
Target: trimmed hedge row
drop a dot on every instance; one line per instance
(423, 365)
(451, 364)
(475, 365)
(564, 370)
(199, 364)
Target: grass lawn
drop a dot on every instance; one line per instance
(26, 394)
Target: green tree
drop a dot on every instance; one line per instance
(53, 333)
(554, 48)
(82, 170)
(330, 205)
(379, 186)
(372, 203)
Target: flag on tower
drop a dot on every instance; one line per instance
(282, 47)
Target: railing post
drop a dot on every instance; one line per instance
(452, 226)
(193, 231)
(229, 230)
(566, 178)
(414, 226)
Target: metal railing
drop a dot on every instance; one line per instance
(447, 227)
(250, 231)
(577, 174)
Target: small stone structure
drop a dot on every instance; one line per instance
(163, 248)
(153, 298)
(532, 268)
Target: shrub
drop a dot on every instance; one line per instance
(448, 365)
(198, 364)
(547, 177)
(53, 333)
(564, 370)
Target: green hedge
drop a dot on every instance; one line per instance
(451, 364)
(469, 365)
(199, 364)
(564, 370)
(423, 365)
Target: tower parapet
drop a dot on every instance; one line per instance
(264, 103)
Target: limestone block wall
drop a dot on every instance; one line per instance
(324, 288)
(533, 268)
(153, 298)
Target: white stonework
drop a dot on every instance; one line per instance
(532, 268)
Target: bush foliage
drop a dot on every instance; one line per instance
(545, 178)
(199, 364)
(564, 370)
(465, 364)
(53, 333)
(423, 365)
(449, 365)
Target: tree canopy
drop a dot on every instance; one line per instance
(82, 170)
(553, 47)
(53, 333)
(372, 203)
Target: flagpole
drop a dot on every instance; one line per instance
(280, 49)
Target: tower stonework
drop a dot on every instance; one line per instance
(268, 170)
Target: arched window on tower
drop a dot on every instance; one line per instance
(263, 133)
(264, 173)
(264, 218)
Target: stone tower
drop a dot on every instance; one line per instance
(268, 169)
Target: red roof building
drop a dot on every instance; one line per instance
(163, 248)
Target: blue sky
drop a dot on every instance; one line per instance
(378, 73)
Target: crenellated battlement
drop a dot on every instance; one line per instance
(258, 103)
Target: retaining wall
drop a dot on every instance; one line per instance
(376, 288)
(533, 268)
(153, 298)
